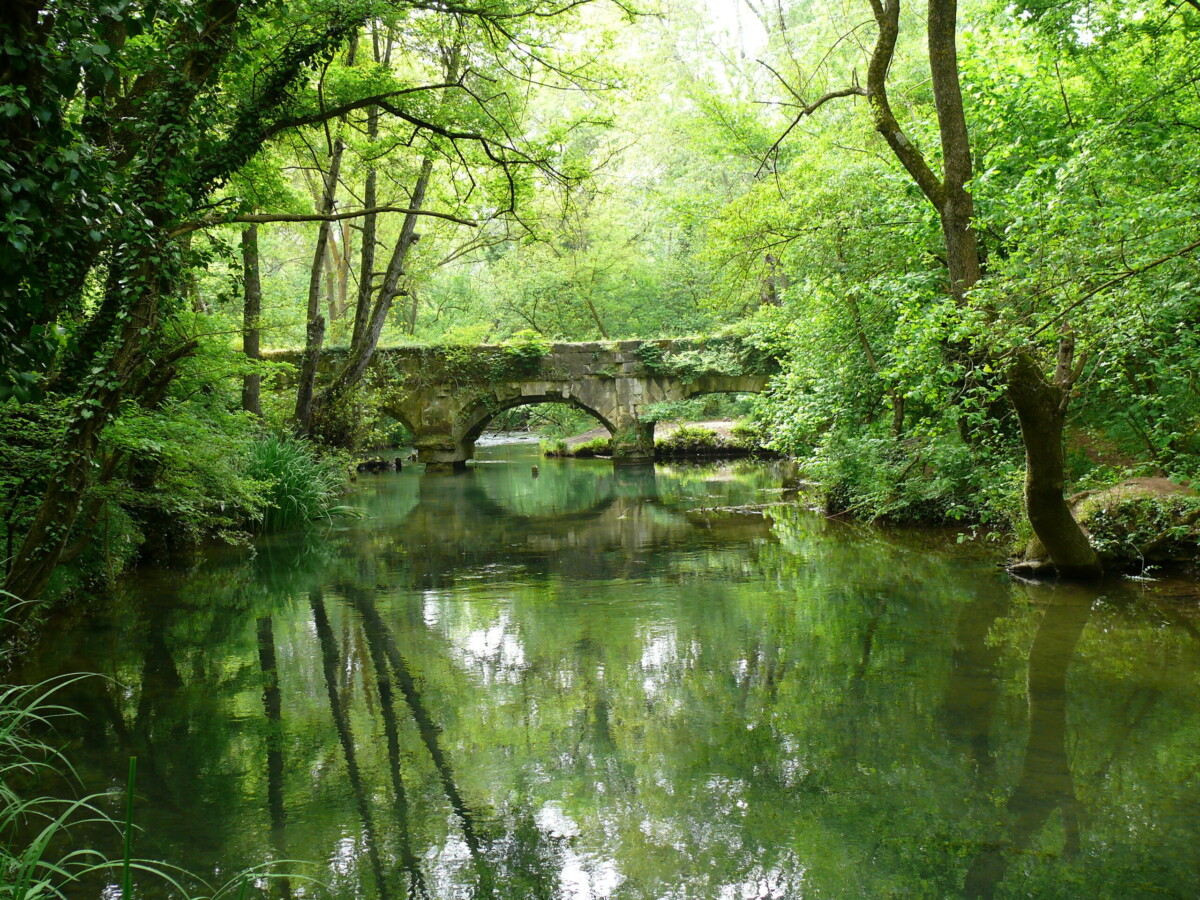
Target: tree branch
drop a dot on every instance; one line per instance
(808, 110)
(1182, 251)
(333, 112)
(260, 218)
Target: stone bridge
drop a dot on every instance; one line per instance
(447, 394)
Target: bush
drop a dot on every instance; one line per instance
(299, 484)
(932, 479)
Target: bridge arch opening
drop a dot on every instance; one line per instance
(483, 414)
(399, 419)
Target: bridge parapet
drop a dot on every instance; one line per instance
(447, 394)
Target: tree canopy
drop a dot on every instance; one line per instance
(969, 229)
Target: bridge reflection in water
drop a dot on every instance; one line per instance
(590, 684)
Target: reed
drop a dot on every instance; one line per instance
(300, 485)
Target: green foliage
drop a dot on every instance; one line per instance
(525, 351)
(473, 364)
(720, 355)
(350, 423)
(299, 484)
(938, 479)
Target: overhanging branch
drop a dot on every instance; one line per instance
(1130, 273)
(261, 218)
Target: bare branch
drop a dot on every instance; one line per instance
(261, 218)
(854, 91)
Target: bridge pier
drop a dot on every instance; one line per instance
(633, 442)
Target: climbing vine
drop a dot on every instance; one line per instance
(724, 355)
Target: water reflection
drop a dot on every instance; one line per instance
(628, 684)
(1045, 784)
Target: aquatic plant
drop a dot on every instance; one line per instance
(300, 484)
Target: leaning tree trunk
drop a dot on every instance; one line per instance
(362, 351)
(315, 330)
(1041, 406)
(368, 328)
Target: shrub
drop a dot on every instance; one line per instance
(931, 479)
(299, 484)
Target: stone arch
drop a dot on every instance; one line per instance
(476, 417)
(396, 411)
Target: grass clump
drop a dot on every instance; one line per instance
(600, 446)
(300, 485)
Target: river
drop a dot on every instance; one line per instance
(599, 683)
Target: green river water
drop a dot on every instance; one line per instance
(603, 683)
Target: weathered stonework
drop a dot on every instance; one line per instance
(447, 395)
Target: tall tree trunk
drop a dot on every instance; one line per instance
(363, 348)
(957, 209)
(343, 269)
(315, 331)
(251, 315)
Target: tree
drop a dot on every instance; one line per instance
(1040, 400)
(121, 128)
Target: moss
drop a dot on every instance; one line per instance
(691, 440)
(1133, 527)
(600, 446)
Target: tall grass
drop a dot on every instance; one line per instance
(29, 825)
(300, 485)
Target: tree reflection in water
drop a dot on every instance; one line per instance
(599, 684)
(1045, 783)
